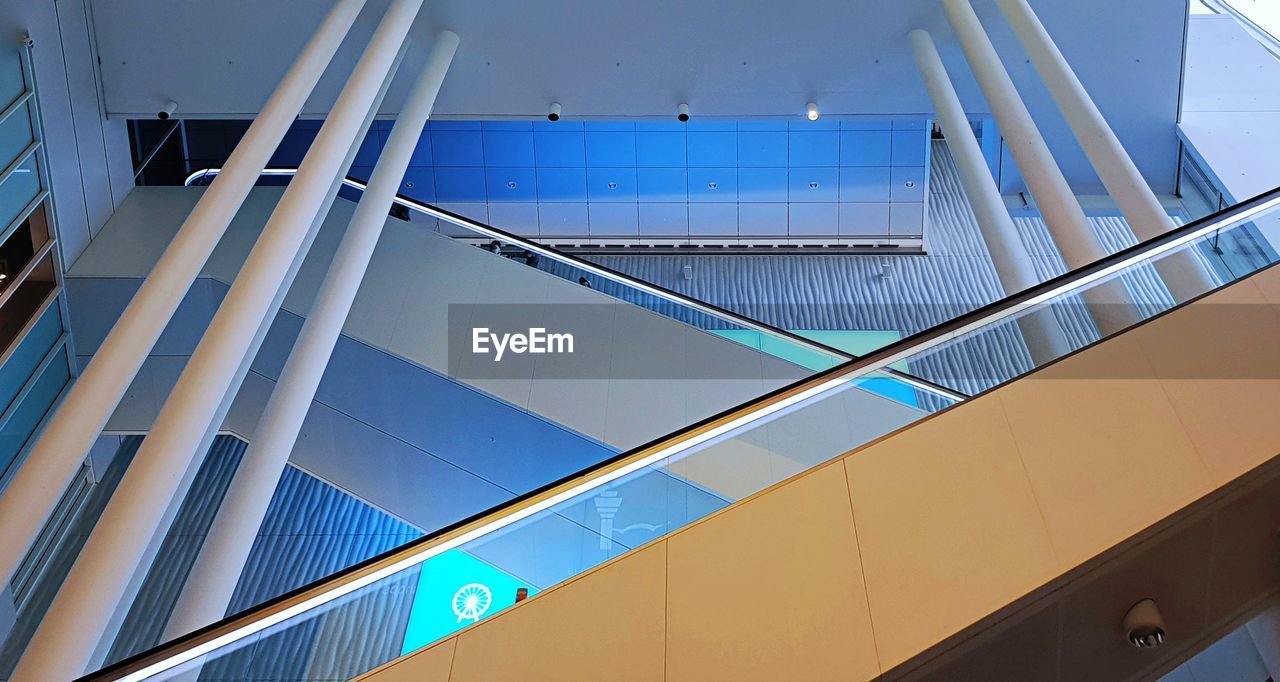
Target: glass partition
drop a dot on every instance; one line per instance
(464, 574)
(789, 347)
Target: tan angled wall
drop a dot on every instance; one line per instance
(998, 510)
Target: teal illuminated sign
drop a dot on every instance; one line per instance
(856, 342)
(455, 590)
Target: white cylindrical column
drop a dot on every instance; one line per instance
(217, 570)
(65, 441)
(1185, 276)
(63, 644)
(220, 417)
(1044, 339)
(1111, 307)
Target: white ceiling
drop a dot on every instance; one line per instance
(605, 58)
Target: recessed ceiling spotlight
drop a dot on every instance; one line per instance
(682, 112)
(554, 113)
(811, 110)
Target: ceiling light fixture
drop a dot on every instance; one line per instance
(682, 112)
(811, 110)
(554, 113)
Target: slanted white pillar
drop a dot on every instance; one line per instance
(213, 578)
(64, 443)
(63, 646)
(1043, 337)
(158, 538)
(1184, 274)
(1110, 304)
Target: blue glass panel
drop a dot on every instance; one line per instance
(562, 184)
(457, 147)
(763, 184)
(30, 353)
(611, 184)
(662, 184)
(907, 184)
(18, 190)
(908, 147)
(713, 149)
(508, 148)
(762, 149)
(814, 184)
(460, 184)
(713, 184)
(419, 182)
(864, 148)
(12, 80)
(611, 149)
(15, 135)
(864, 184)
(511, 184)
(24, 419)
(821, 148)
(660, 149)
(560, 148)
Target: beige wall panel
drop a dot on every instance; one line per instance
(1106, 457)
(948, 526)
(1207, 356)
(1268, 282)
(771, 590)
(429, 665)
(606, 625)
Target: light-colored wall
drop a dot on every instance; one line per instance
(859, 566)
(1231, 107)
(89, 162)
(751, 58)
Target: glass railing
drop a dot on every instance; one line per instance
(432, 587)
(897, 383)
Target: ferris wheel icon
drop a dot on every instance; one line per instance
(471, 601)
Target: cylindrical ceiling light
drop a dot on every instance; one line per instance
(682, 112)
(553, 114)
(811, 111)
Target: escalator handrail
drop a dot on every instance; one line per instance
(252, 621)
(614, 275)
